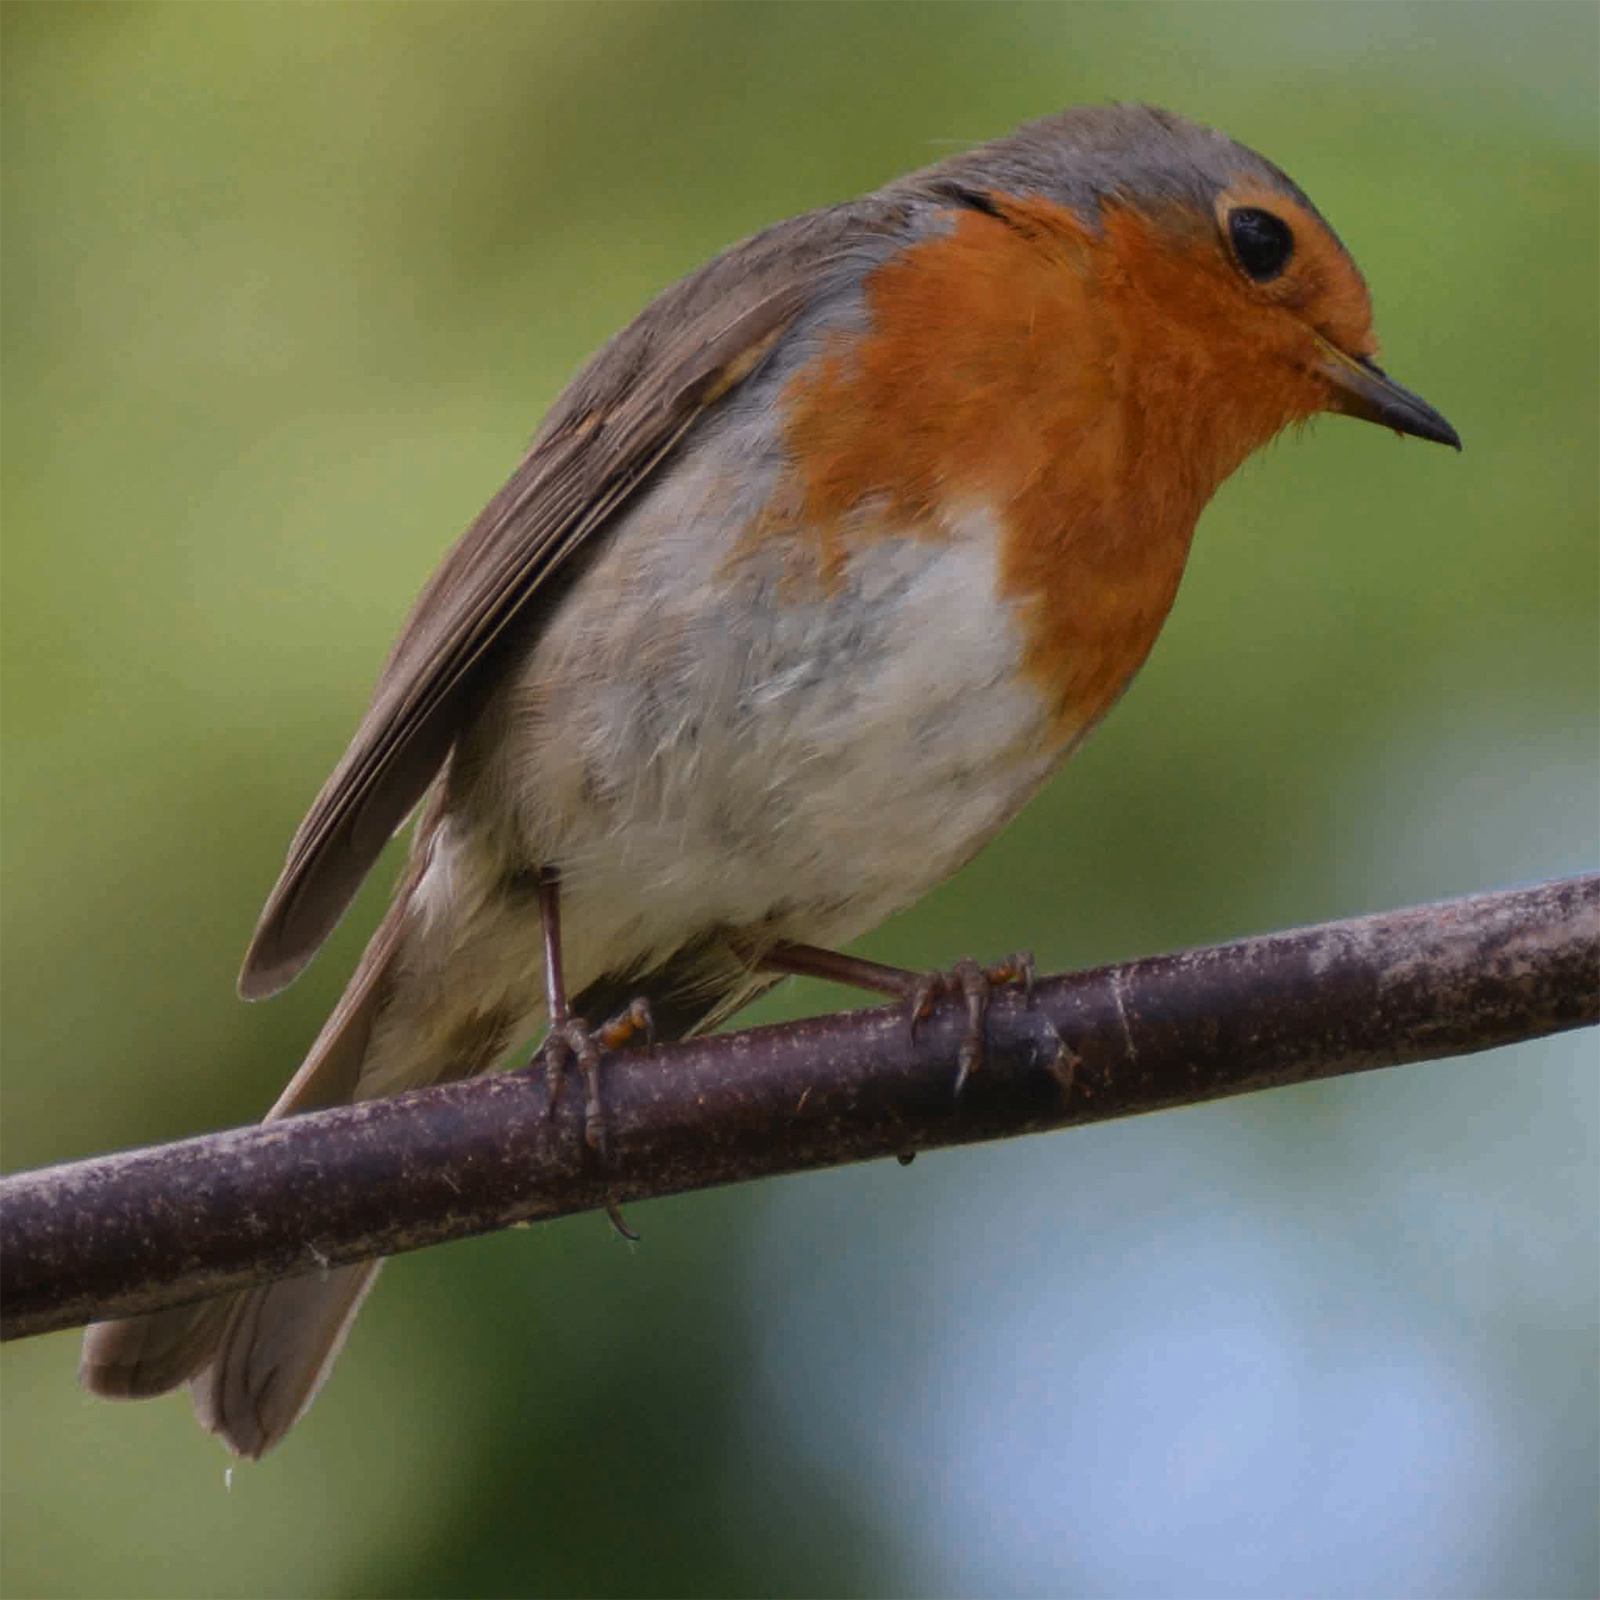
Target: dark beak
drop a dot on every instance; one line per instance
(1362, 389)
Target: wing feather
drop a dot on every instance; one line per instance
(610, 431)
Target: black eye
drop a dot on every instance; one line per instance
(1261, 241)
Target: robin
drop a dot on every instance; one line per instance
(810, 579)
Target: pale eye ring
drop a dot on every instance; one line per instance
(1262, 242)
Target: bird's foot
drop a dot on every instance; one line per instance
(974, 983)
(571, 1041)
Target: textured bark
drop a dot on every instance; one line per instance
(146, 1228)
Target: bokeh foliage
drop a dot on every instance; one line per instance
(285, 288)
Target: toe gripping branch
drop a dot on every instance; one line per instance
(570, 1039)
(975, 985)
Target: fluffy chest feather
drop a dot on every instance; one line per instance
(764, 752)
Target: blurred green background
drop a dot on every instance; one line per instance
(285, 290)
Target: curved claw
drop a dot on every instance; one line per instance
(928, 987)
(975, 985)
(917, 990)
(573, 1040)
(614, 1217)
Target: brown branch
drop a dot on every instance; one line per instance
(131, 1232)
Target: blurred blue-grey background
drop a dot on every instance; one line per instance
(285, 290)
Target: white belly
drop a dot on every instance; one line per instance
(695, 755)
(809, 763)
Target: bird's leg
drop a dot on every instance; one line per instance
(919, 990)
(570, 1038)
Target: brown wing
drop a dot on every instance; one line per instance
(611, 429)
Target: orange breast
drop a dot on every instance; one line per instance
(998, 371)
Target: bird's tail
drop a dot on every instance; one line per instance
(254, 1361)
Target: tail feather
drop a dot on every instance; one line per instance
(279, 1343)
(254, 1361)
(248, 1397)
(143, 1356)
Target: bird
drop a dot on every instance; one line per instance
(809, 580)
